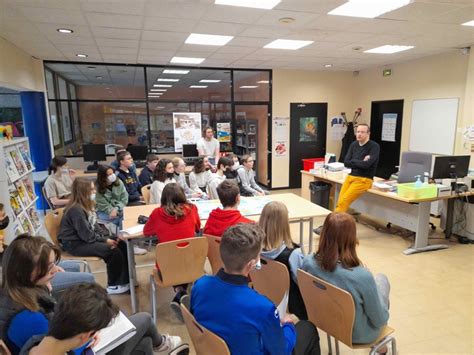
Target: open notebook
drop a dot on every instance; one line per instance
(117, 332)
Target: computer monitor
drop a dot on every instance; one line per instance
(94, 153)
(138, 152)
(190, 151)
(451, 167)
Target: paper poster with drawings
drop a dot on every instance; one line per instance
(223, 131)
(187, 129)
(389, 127)
(337, 128)
(281, 135)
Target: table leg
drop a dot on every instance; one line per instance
(310, 248)
(301, 235)
(132, 275)
(449, 218)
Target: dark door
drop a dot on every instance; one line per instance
(307, 136)
(386, 121)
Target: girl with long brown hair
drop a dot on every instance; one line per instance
(336, 262)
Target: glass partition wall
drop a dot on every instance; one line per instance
(116, 104)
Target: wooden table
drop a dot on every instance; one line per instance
(300, 211)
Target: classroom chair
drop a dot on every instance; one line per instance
(332, 310)
(52, 221)
(5, 351)
(214, 253)
(205, 342)
(180, 261)
(50, 205)
(272, 280)
(146, 194)
(412, 164)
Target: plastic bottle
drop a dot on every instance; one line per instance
(418, 182)
(426, 178)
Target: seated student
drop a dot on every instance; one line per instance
(163, 175)
(179, 167)
(80, 235)
(201, 175)
(235, 159)
(221, 219)
(224, 170)
(57, 186)
(129, 178)
(146, 176)
(248, 186)
(174, 219)
(277, 245)
(247, 321)
(336, 262)
(115, 164)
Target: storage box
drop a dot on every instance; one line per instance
(410, 191)
(309, 163)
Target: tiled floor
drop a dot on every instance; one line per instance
(431, 295)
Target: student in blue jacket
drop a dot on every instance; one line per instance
(128, 175)
(248, 322)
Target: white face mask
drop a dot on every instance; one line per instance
(258, 265)
(64, 171)
(92, 197)
(111, 178)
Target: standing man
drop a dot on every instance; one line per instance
(363, 158)
(209, 146)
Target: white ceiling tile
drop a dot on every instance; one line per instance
(159, 45)
(247, 63)
(112, 20)
(18, 25)
(161, 36)
(218, 28)
(198, 48)
(417, 11)
(457, 16)
(126, 43)
(52, 4)
(125, 7)
(222, 13)
(117, 50)
(271, 18)
(169, 24)
(255, 42)
(50, 15)
(176, 9)
(116, 33)
(145, 52)
(346, 37)
(234, 49)
(336, 23)
(81, 41)
(120, 58)
(265, 31)
(194, 54)
(226, 56)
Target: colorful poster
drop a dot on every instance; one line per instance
(281, 136)
(187, 129)
(223, 131)
(308, 129)
(389, 127)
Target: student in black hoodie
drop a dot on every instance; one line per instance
(146, 176)
(129, 178)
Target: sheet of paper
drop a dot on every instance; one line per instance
(389, 127)
(117, 332)
(283, 306)
(134, 230)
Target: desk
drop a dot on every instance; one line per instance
(412, 214)
(300, 211)
(93, 175)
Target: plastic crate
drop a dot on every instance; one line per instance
(308, 164)
(411, 192)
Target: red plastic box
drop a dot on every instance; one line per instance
(308, 164)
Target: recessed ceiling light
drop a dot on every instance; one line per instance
(98, 77)
(263, 82)
(328, 65)
(368, 8)
(287, 44)
(175, 71)
(162, 86)
(170, 80)
(257, 4)
(91, 68)
(286, 20)
(65, 30)
(249, 86)
(468, 23)
(187, 60)
(198, 86)
(158, 89)
(80, 55)
(208, 40)
(209, 81)
(388, 49)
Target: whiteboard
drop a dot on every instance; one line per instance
(433, 125)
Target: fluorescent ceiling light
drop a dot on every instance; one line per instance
(175, 71)
(158, 89)
(388, 49)
(209, 81)
(257, 4)
(98, 77)
(187, 60)
(170, 80)
(198, 86)
(162, 86)
(155, 93)
(64, 30)
(328, 65)
(208, 40)
(287, 44)
(468, 23)
(249, 87)
(368, 8)
(80, 55)
(263, 82)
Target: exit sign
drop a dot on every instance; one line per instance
(387, 72)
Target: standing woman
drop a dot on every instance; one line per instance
(201, 175)
(58, 185)
(208, 146)
(80, 235)
(163, 175)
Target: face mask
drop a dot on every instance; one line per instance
(64, 171)
(170, 175)
(112, 178)
(92, 197)
(258, 265)
(230, 174)
(4, 223)
(236, 165)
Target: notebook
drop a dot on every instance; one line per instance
(117, 332)
(133, 230)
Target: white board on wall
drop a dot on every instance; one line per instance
(433, 125)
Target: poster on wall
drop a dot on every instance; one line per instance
(223, 131)
(308, 129)
(389, 127)
(187, 129)
(338, 129)
(281, 136)
(66, 122)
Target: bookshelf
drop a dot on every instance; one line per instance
(17, 191)
(246, 139)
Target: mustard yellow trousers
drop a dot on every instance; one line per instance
(353, 187)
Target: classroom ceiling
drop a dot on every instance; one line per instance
(154, 31)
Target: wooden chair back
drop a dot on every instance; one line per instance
(50, 204)
(4, 349)
(329, 308)
(180, 261)
(146, 193)
(272, 280)
(205, 342)
(214, 253)
(52, 222)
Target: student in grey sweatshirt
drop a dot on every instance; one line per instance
(336, 262)
(248, 186)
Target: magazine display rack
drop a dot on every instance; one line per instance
(17, 191)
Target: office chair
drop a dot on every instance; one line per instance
(412, 164)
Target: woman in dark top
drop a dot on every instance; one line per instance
(80, 235)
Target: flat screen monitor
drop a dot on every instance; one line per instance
(94, 152)
(138, 152)
(190, 151)
(450, 167)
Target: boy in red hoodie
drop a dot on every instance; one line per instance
(221, 219)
